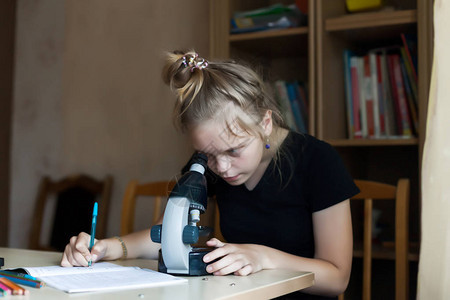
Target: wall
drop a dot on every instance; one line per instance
(434, 263)
(95, 95)
(7, 29)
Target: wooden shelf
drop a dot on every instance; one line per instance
(372, 142)
(372, 19)
(288, 42)
(268, 34)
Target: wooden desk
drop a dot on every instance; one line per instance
(262, 285)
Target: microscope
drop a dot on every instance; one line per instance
(187, 200)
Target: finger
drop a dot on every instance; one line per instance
(81, 253)
(215, 243)
(244, 271)
(229, 269)
(98, 251)
(217, 253)
(80, 260)
(64, 260)
(82, 243)
(69, 255)
(223, 263)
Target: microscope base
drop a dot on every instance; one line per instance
(196, 265)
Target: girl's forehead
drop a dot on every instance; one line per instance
(217, 135)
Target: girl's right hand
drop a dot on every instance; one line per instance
(77, 251)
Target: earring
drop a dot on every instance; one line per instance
(267, 143)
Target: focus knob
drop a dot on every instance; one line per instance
(155, 233)
(190, 234)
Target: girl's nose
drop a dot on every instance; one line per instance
(223, 163)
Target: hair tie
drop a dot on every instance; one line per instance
(194, 62)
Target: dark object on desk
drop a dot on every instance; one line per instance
(179, 229)
(2, 262)
(75, 197)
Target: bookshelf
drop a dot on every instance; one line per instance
(336, 30)
(273, 53)
(317, 51)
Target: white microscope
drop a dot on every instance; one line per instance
(179, 229)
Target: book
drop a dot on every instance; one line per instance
(295, 106)
(102, 276)
(362, 99)
(409, 44)
(412, 81)
(380, 94)
(367, 91)
(389, 105)
(410, 99)
(372, 57)
(348, 93)
(355, 78)
(303, 99)
(399, 95)
(282, 98)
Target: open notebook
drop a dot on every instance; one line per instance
(101, 276)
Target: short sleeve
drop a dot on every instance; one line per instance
(329, 182)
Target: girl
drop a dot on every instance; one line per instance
(282, 196)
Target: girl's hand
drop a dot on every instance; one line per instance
(239, 259)
(77, 251)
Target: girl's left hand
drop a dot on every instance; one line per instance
(239, 259)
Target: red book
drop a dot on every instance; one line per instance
(380, 96)
(399, 91)
(398, 120)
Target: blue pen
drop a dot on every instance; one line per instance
(94, 224)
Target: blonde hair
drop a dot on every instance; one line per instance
(204, 88)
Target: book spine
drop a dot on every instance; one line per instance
(380, 93)
(376, 100)
(285, 106)
(389, 105)
(303, 99)
(403, 106)
(394, 91)
(348, 94)
(410, 101)
(409, 56)
(362, 99)
(411, 80)
(355, 97)
(368, 96)
(295, 106)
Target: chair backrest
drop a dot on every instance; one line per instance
(373, 191)
(75, 197)
(157, 190)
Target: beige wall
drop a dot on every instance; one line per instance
(434, 263)
(89, 95)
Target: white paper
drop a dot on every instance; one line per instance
(100, 276)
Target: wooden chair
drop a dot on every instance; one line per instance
(75, 197)
(371, 191)
(158, 190)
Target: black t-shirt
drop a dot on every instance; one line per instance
(307, 176)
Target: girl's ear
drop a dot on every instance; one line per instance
(267, 123)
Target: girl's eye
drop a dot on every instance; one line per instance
(233, 151)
